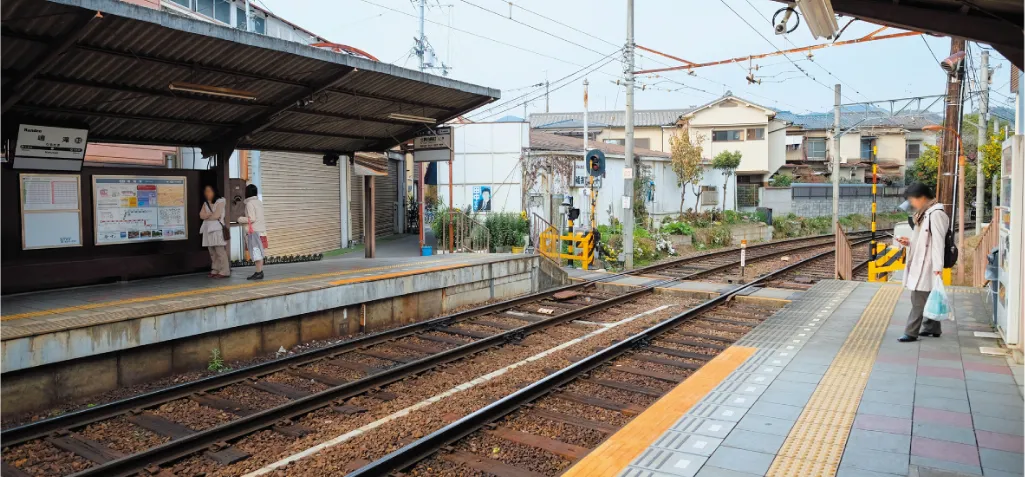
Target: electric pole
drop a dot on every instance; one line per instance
(421, 40)
(628, 157)
(949, 149)
(983, 127)
(546, 95)
(836, 157)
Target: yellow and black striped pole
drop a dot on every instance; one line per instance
(875, 181)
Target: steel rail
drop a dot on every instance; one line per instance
(84, 417)
(428, 445)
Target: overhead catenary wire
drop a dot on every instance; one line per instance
(532, 27)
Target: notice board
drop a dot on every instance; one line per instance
(131, 209)
(51, 212)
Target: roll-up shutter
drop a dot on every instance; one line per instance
(301, 203)
(385, 198)
(356, 204)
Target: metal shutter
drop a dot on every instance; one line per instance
(386, 195)
(301, 203)
(356, 205)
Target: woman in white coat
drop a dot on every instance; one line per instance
(212, 214)
(924, 258)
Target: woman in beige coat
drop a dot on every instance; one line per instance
(256, 230)
(924, 258)
(212, 214)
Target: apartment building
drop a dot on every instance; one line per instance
(897, 140)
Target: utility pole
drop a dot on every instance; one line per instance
(949, 149)
(983, 127)
(590, 219)
(546, 95)
(421, 39)
(628, 158)
(836, 157)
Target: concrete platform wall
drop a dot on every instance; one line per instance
(146, 349)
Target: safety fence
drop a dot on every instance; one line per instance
(980, 259)
(844, 260)
(467, 234)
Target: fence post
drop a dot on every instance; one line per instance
(843, 266)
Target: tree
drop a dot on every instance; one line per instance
(686, 161)
(781, 180)
(726, 162)
(926, 167)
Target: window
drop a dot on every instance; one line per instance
(644, 143)
(800, 192)
(817, 148)
(914, 150)
(866, 149)
(184, 3)
(620, 142)
(728, 135)
(240, 19)
(205, 7)
(219, 10)
(755, 134)
(259, 25)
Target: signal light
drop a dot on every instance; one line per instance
(595, 162)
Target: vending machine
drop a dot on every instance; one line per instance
(1011, 208)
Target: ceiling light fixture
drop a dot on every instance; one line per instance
(211, 90)
(819, 16)
(411, 118)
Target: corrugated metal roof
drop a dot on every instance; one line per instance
(114, 80)
(823, 121)
(543, 141)
(642, 118)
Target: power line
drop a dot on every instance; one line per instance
(933, 53)
(557, 22)
(532, 27)
(774, 47)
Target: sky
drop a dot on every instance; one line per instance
(482, 45)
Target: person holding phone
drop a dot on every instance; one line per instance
(213, 231)
(924, 258)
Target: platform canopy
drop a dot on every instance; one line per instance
(996, 22)
(134, 75)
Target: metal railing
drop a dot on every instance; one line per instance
(844, 256)
(980, 260)
(469, 235)
(538, 225)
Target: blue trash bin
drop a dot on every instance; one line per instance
(426, 251)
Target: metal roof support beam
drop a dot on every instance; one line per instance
(134, 117)
(58, 46)
(351, 117)
(149, 91)
(323, 134)
(272, 114)
(232, 72)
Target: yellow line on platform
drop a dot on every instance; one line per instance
(610, 458)
(404, 273)
(204, 291)
(815, 444)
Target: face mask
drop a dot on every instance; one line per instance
(906, 206)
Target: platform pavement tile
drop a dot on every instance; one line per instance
(1016, 413)
(790, 398)
(932, 402)
(941, 382)
(895, 369)
(941, 392)
(754, 441)
(989, 377)
(944, 450)
(712, 471)
(999, 473)
(943, 432)
(998, 441)
(940, 416)
(945, 467)
(705, 427)
(941, 363)
(940, 355)
(940, 372)
(903, 385)
(1002, 460)
(818, 369)
(986, 368)
(881, 441)
(981, 397)
(741, 460)
(848, 471)
(888, 397)
(765, 424)
(674, 463)
(883, 424)
(881, 409)
(907, 359)
(876, 461)
(687, 443)
(1010, 389)
(779, 411)
(997, 424)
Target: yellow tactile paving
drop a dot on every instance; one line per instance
(815, 444)
(610, 458)
(220, 290)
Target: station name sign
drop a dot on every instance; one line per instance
(433, 145)
(50, 147)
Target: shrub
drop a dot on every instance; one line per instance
(781, 180)
(677, 228)
(506, 229)
(714, 237)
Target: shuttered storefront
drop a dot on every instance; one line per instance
(301, 203)
(356, 204)
(385, 199)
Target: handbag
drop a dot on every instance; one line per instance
(225, 232)
(937, 307)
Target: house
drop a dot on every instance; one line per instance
(898, 140)
(652, 128)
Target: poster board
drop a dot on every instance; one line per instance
(130, 209)
(51, 210)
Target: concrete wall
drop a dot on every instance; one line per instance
(822, 207)
(778, 199)
(486, 154)
(246, 331)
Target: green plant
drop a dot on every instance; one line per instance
(714, 237)
(677, 228)
(507, 229)
(780, 180)
(686, 161)
(216, 363)
(726, 162)
(641, 232)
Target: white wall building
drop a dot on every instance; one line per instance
(487, 158)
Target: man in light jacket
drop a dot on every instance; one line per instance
(924, 258)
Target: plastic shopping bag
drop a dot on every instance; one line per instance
(937, 307)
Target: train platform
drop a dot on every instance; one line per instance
(823, 388)
(59, 343)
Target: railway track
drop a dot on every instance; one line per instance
(543, 428)
(203, 417)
